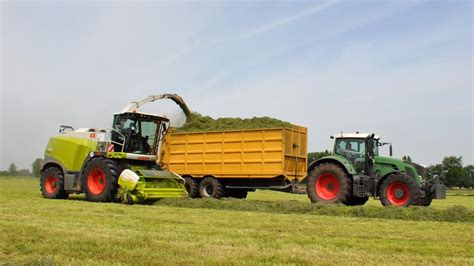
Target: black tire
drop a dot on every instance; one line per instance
(425, 199)
(355, 201)
(192, 187)
(211, 187)
(52, 184)
(399, 190)
(323, 181)
(236, 193)
(100, 180)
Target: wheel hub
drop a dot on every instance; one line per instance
(327, 186)
(399, 193)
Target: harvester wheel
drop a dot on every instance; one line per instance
(211, 187)
(52, 184)
(354, 201)
(100, 179)
(399, 190)
(328, 183)
(192, 187)
(236, 193)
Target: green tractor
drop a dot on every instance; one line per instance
(117, 164)
(355, 171)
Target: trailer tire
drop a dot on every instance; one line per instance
(328, 183)
(192, 187)
(52, 183)
(355, 201)
(100, 180)
(399, 190)
(236, 193)
(211, 187)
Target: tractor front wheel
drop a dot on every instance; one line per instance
(211, 187)
(328, 183)
(399, 190)
(52, 184)
(100, 179)
(192, 187)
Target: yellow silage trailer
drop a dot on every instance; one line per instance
(230, 163)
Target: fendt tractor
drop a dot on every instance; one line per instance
(116, 164)
(355, 171)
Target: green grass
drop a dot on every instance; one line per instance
(37, 230)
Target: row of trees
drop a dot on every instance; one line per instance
(451, 169)
(13, 170)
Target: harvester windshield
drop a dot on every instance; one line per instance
(142, 132)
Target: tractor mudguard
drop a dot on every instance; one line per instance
(341, 161)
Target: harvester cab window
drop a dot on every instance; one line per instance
(140, 133)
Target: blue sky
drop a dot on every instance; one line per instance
(402, 69)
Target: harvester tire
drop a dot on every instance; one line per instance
(399, 190)
(236, 193)
(52, 184)
(211, 187)
(192, 187)
(328, 183)
(355, 201)
(100, 180)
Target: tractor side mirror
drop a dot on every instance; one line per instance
(391, 150)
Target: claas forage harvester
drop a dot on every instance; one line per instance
(116, 164)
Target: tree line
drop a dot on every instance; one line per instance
(14, 171)
(450, 169)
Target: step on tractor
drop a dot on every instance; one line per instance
(355, 171)
(116, 164)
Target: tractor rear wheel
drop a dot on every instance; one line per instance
(399, 190)
(192, 187)
(211, 187)
(100, 180)
(328, 183)
(355, 201)
(52, 184)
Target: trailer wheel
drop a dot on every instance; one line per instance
(100, 180)
(399, 190)
(192, 187)
(52, 184)
(328, 183)
(211, 187)
(236, 193)
(355, 201)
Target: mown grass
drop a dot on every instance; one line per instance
(41, 231)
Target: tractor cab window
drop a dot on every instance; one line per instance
(352, 149)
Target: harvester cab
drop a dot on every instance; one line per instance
(116, 164)
(355, 171)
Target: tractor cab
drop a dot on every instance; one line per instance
(138, 133)
(359, 149)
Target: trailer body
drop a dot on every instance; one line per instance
(247, 159)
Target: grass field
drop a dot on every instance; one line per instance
(37, 230)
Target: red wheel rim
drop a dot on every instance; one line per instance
(96, 181)
(398, 193)
(327, 186)
(50, 184)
